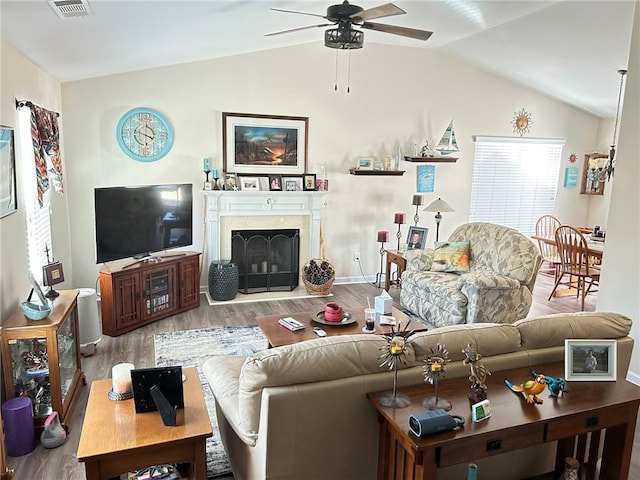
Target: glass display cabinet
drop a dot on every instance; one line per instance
(41, 358)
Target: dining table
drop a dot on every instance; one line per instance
(595, 248)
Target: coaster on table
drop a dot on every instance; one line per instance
(119, 396)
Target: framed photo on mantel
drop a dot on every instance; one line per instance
(264, 144)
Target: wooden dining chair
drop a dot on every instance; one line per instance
(546, 227)
(575, 262)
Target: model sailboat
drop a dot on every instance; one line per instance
(447, 144)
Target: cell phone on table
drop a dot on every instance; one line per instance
(319, 332)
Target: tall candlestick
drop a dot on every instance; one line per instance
(206, 166)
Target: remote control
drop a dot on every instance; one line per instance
(319, 332)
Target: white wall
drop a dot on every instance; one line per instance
(620, 281)
(22, 79)
(399, 96)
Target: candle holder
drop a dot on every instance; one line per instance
(393, 353)
(207, 184)
(434, 369)
(417, 201)
(382, 238)
(399, 219)
(216, 177)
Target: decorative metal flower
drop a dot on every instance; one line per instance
(394, 351)
(435, 364)
(478, 371)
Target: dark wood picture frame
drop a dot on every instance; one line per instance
(309, 181)
(257, 144)
(275, 182)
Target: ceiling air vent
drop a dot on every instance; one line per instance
(71, 8)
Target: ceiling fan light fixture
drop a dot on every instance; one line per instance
(343, 38)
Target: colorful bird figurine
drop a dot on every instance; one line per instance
(557, 385)
(529, 389)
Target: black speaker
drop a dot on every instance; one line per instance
(433, 421)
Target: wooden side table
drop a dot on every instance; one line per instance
(578, 420)
(138, 440)
(394, 257)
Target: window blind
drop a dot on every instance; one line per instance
(38, 219)
(514, 181)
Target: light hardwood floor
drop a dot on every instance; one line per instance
(137, 347)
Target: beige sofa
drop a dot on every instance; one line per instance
(300, 412)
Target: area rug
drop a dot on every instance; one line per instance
(191, 348)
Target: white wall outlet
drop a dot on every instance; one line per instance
(356, 256)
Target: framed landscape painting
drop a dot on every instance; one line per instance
(264, 144)
(8, 203)
(590, 360)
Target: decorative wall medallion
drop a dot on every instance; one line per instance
(573, 157)
(521, 122)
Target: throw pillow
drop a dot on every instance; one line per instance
(451, 257)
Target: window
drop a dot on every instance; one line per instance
(514, 181)
(38, 218)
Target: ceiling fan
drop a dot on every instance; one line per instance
(345, 16)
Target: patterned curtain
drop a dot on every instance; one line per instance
(46, 148)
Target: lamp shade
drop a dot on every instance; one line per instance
(439, 205)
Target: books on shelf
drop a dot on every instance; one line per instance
(291, 324)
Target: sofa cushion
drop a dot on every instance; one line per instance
(331, 358)
(488, 338)
(552, 330)
(452, 257)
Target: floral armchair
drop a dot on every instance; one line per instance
(490, 282)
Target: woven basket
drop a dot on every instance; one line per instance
(318, 275)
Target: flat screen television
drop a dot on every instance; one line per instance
(136, 221)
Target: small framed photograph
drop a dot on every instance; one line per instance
(275, 182)
(230, 181)
(35, 287)
(588, 360)
(309, 181)
(417, 238)
(249, 183)
(291, 185)
(322, 185)
(365, 164)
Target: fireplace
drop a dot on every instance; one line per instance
(267, 260)
(262, 210)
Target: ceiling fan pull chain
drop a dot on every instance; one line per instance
(335, 86)
(349, 74)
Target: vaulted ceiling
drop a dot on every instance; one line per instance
(568, 49)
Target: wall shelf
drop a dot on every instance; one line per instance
(356, 171)
(431, 159)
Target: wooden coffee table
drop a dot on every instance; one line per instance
(115, 439)
(277, 335)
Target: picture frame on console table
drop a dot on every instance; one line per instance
(590, 360)
(257, 144)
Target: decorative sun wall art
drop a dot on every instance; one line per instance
(521, 122)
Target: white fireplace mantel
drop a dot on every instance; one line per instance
(224, 203)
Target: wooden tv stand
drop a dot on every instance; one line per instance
(133, 294)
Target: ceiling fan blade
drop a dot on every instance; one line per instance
(300, 13)
(394, 29)
(297, 29)
(386, 10)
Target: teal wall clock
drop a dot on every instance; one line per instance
(144, 134)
